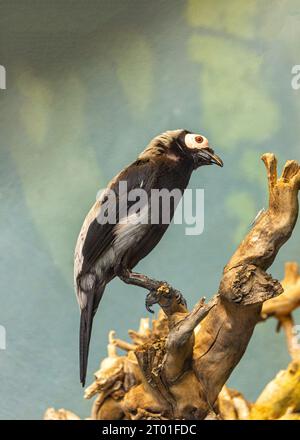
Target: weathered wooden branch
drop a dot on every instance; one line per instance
(232, 405)
(286, 303)
(281, 397)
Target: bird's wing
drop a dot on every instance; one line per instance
(96, 237)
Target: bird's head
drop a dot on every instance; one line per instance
(197, 148)
(184, 145)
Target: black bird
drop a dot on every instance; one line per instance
(106, 250)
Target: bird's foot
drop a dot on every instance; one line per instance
(180, 298)
(152, 298)
(163, 295)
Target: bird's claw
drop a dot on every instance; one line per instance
(166, 291)
(180, 298)
(154, 295)
(151, 299)
(149, 309)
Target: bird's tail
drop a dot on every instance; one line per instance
(86, 323)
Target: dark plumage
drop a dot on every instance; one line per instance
(104, 251)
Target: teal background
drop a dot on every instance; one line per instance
(89, 83)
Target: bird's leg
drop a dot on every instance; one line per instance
(159, 291)
(137, 279)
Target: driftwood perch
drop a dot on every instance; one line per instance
(178, 368)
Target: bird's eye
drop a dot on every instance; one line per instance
(199, 139)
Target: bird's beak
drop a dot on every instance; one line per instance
(208, 155)
(215, 159)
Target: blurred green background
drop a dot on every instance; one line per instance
(89, 83)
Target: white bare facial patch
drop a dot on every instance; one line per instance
(195, 141)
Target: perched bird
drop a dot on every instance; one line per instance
(105, 250)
